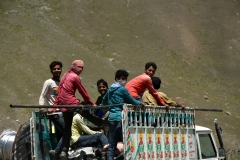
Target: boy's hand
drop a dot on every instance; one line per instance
(101, 130)
(143, 105)
(42, 110)
(183, 107)
(167, 106)
(50, 110)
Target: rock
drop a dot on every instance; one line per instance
(111, 59)
(45, 8)
(179, 98)
(114, 54)
(12, 12)
(228, 113)
(205, 97)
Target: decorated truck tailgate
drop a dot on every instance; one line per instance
(154, 133)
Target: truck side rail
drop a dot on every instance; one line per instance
(153, 132)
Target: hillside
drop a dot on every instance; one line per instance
(195, 44)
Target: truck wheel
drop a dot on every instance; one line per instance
(22, 150)
(22, 143)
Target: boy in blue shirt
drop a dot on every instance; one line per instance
(117, 94)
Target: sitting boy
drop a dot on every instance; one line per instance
(97, 116)
(82, 136)
(150, 100)
(117, 94)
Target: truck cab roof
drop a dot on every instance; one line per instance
(201, 128)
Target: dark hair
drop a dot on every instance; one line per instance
(54, 63)
(103, 82)
(156, 81)
(150, 64)
(121, 72)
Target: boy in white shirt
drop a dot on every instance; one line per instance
(48, 96)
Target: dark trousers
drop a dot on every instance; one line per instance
(58, 122)
(68, 117)
(114, 134)
(98, 140)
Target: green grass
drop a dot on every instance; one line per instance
(195, 45)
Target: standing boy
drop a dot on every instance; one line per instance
(48, 96)
(117, 94)
(67, 88)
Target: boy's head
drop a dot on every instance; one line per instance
(150, 68)
(77, 66)
(156, 81)
(102, 86)
(121, 76)
(56, 68)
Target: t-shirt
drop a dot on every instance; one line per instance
(49, 92)
(139, 84)
(68, 86)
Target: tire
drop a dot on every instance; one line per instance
(22, 150)
(22, 143)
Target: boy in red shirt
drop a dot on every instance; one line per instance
(139, 84)
(67, 88)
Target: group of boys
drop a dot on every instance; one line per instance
(71, 129)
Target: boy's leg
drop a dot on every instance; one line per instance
(58, 122)
(90, 140)
(120, 136)
(112, 137)
(68, 116)
(58, 148)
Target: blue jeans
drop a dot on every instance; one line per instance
(98, 139)
(58, 122)
(114, 134)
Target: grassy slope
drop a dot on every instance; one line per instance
(194, 43)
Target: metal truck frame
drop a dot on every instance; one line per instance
(149, 133)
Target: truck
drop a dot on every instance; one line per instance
(149, 133)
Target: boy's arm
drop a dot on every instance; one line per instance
(82, 90)
(82, 125)
(43, 93)
(166, 99)
(128, 98)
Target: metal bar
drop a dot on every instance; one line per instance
(87, 107)
(206, 109)
(83, 107)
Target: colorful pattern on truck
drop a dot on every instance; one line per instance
(156, 134)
